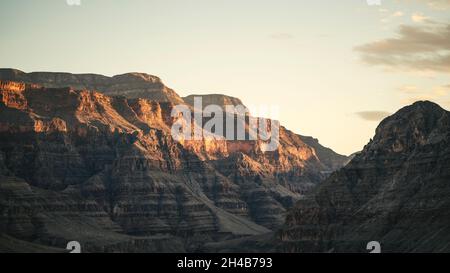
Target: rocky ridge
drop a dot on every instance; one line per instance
(395, 191)
(79, 163)
(130, 85)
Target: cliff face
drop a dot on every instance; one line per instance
(82, 165)
(138, 87)
(130, 85)
(395, 191)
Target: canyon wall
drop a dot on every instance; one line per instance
(105, 170)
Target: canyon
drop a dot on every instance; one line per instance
(91, 158)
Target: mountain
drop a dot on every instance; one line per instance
(77, 164)
(130, 85)
(141, 85)
(395, 191)
(327, 156)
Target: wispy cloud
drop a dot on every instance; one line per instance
(424, 47)
(441, 91)
(398, 14)
(281, 36)
(413, 93)
(437, 4)
(372, 115)
(440, 5)
(418, 17)
(408, 89)
(386, 16)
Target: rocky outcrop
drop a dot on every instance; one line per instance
(79, 163)
(395, 191)
(216, 99)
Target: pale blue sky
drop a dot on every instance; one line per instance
(299, 55)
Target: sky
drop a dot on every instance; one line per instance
(334, 69)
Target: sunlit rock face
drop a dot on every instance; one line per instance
(77, 164)
(395, 191)
(130, 85)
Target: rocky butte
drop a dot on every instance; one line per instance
(90, 158)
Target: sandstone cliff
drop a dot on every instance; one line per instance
(104, 170)
(148, 87)
(130, 85)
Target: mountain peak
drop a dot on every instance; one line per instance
(130, 85)
(424, 107)
(421, 123)
(395, 191)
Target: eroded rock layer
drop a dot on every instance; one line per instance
(79, 165)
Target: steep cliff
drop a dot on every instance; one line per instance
(140, 85)
(130, 85)
(76, 163)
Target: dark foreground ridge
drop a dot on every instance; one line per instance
(396, 191)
